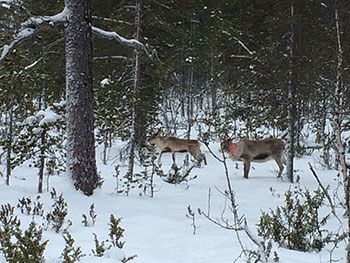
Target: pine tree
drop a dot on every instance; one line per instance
(81, 161)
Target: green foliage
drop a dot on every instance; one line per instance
(92, 216)
(100, 248)
(142, 182)
(116, 232)
(70, 254)
(296, 225)
(30, 245)
(27, 206)
(56, 217)
(16, 245)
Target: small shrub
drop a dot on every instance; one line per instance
(25, 204)
(28, 207)
(175, 175)
(296, 225)
(93, 216)
(116, 232)
(59, 212)
(70, 254)
(29, 244)
(16, 246)
(100, 248)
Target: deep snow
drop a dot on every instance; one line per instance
(157, 229)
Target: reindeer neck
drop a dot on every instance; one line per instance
(233, 148)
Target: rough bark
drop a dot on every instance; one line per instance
(81, 162)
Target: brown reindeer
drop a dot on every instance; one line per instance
(254, 151)
(174, 145)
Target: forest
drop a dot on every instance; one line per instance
(196, 68)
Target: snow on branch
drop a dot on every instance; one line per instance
(36, 21)
(244, 46)
(120, 39)
(22, 35)
(29, 27)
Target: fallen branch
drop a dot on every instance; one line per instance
(239, 222)
(325, 192)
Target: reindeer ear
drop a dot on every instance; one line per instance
(159, 132)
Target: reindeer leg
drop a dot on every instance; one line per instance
(173, 153)
(205, 159)
(246, 168)
(160, 156)
(280, 165)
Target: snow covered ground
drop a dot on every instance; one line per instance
(157, 229)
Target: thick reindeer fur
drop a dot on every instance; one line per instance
(255, 151)
(174, 145)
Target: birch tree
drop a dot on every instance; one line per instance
(81, 160)
(291, 96)
(136, 111)
(339, 115)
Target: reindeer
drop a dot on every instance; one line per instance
(174, 145)
(254, 151)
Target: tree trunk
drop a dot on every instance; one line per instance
(338, 117)
(136, 117)
(81, 160)
(291, 100)
(42, 161)
(9, 146)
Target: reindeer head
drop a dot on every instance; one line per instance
(225, 143)
(156, 136)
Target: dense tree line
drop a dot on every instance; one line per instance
(265, 62)
(205, 65)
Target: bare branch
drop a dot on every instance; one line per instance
(110, 57)
(244, 46)
(213, 154)
(112, 20)
(325, 192)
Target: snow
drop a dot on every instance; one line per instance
(115, 35)
(23, 34)
(6, 6)
(157, 229)
(48, 116)
(58, 18)
(44, 117)
(104, 82)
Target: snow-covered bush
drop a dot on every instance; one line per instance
(43, 134)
